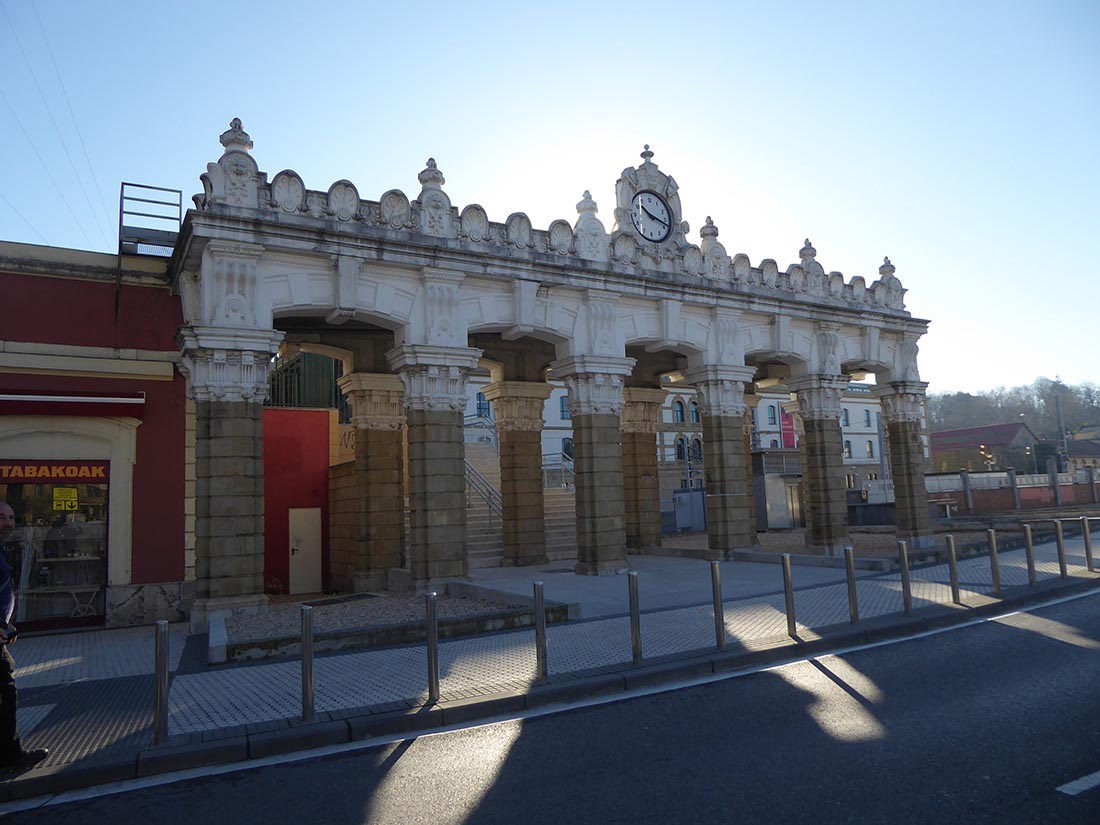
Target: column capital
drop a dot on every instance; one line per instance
(377, 400)
(901, 400)
(518, 404)
(641, 411)
(595, 382)
(721, 388)
(819, 396)
(227, 364)
(434, 377)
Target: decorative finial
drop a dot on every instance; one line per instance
(887, 268)
(236, 139)
(431, 177)
(646, 155)
(709, 230)
(586, 205)
(808, 251)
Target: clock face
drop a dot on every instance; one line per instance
(651, 216)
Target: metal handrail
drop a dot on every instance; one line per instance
(482, 422)
(480, 485)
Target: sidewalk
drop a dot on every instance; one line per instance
(88, 696)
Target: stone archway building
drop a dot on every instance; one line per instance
(415, 294)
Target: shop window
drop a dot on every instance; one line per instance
(847, 449)
(772, 419)
(678, 412)
(694, 413)
(564, 413)
(870, 449)
(58, 551)
(844, 417)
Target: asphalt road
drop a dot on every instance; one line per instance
(978, 725)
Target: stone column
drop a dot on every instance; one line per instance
(751, 402)
(819, 403)
(378, 531)
(1014, 486)
(730, 523)
(901, 409)
(519, 409)
(434, 380)
(641, 484)
(968, 493)
(1052, 476)
(595, 385)
(1090, 473)
(227, 378)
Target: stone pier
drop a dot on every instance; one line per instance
(819, 402)
(641, 486)
(519, 417)
(901, 409)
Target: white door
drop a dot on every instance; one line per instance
(305, 550)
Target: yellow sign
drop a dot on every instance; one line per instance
(65, 499)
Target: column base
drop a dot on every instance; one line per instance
(203, 609)
(368, 581)
(603, 568)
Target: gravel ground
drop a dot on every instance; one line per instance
(283, 617)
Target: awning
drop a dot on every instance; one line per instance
(88, 404)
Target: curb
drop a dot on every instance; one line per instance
(289, 736)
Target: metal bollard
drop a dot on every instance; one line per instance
(719, 614)
(540, 633)
(788, 595)
(635, 617)
(850, 566)
(160, 683)
(994, 563)
(1060, 539)
(953, 568)
(906, 586)
(307, 663)
(1029, 551)
(1087, 538)
(433, 647)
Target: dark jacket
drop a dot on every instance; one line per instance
(7, 589)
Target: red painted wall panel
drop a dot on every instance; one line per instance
(295, 475)
(157, 517)
(82, 313)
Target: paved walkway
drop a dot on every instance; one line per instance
(90, 693)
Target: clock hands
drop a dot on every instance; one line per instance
(661, 222)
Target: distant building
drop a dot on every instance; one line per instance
(992, 447)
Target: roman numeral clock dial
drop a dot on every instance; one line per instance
(651, 216)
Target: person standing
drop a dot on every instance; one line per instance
(13, 758)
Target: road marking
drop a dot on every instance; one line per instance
(1085, 783)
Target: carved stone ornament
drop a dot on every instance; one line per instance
(560, 237)
(519, 230)
(435, 206)
(474, 223)
(589, 231)
(721, 388)
(394, 210)
(819, 396)
(601, 324)
(228, 284)
(595, 384)
(343, 200)
(519, 405)
(641, 412)
(693, 260)
(901, 401)
(227, 365)
(377, 400)
(434, 377)
(828, 349)
(288, 193)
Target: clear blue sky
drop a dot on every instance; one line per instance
(960, 139)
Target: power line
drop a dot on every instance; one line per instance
(57, 128)
(20, 214)
(49, 174)
(64, 91)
